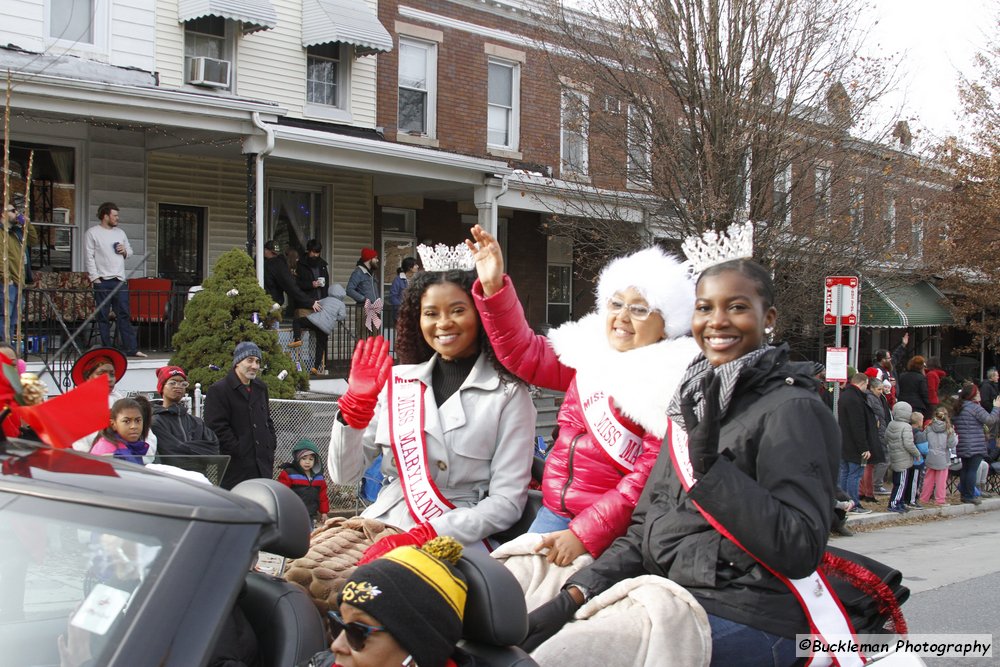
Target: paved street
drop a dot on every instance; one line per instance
(951, 567)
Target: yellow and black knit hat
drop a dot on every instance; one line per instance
(417, 594)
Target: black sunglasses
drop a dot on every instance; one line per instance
(356, 633)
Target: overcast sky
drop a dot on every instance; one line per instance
(937, 39)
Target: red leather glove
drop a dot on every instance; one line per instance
(370, 368)
(415, 537)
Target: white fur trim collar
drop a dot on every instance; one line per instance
(641, 381)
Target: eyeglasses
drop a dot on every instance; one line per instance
(635, 311)
(356, 633)
(183, 384)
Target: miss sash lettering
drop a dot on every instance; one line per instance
(406, 436)
(621, 443)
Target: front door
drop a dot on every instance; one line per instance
(180, 243)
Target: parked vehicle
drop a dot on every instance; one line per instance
(105, 563)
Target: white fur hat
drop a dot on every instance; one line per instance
(662, 279)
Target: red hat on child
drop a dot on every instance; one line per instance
(167, 372)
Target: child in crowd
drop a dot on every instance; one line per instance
(941, 443)
(125, 437)
(304, 475)
(902, 454)
(917, 478)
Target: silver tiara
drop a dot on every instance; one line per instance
(713, 248)
(446, 258)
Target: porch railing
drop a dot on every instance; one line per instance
(50, 315)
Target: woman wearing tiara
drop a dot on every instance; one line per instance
(737, 508)
(456, 431)
(618, 366)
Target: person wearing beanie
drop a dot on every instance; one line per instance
(178, 432)
(405, 608)
(364, 281)
(304, 475)
(237, 409)
(633, 349)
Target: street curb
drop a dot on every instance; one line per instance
(878, 518)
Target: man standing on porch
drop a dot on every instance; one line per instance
(17, 270)
(107, 247)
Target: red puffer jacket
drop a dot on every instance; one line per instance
(580, 479)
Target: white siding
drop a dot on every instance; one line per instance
(133, 34)
(169, 44)
(115, 164)
(22, 23)
(270, 64)
(221, 186)
(363, 91)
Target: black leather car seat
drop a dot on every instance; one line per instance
(496, 618)
(288, 626)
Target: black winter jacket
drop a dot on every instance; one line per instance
(242, 421)
(775, 495)
(858, 427)
(308, 270)
(912, 388)
(179, 432)
(278, 281)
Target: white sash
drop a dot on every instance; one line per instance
(406, 436)
(619, 442)
(826, 615)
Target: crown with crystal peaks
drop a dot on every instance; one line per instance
(713, 247)
(446, 258)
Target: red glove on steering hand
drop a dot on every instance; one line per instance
(370, 368)
(415, 537)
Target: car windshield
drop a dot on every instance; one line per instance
(72, 577)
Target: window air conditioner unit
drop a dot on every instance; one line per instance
(209, 72)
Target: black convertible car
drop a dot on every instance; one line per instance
(105, 563)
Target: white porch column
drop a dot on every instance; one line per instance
(485, 198)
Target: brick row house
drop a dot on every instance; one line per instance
(217, 124)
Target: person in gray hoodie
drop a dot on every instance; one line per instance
(902, 453)
(941, 443)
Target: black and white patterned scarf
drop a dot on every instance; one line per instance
(692, 385)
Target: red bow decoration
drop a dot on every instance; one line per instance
(373, 314)
(63, 420)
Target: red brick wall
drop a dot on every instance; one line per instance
(462, 92)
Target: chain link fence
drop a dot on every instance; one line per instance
(296, 419)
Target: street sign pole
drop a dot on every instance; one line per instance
(836, 343)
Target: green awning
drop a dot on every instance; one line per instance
(917, 305)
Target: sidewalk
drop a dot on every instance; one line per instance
(878, 518)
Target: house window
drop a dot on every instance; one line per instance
(180, 239)
(559, 281)
(823, 193)
(890, 218)
(917, 228)
(639, 146)
(77, 25)
(502, 110)
(295, 216)
(72, 20)
(208, 37)
(417, 86)
(325, 70)
(781, 195)
(575, 124)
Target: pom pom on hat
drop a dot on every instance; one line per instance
(418, 595)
